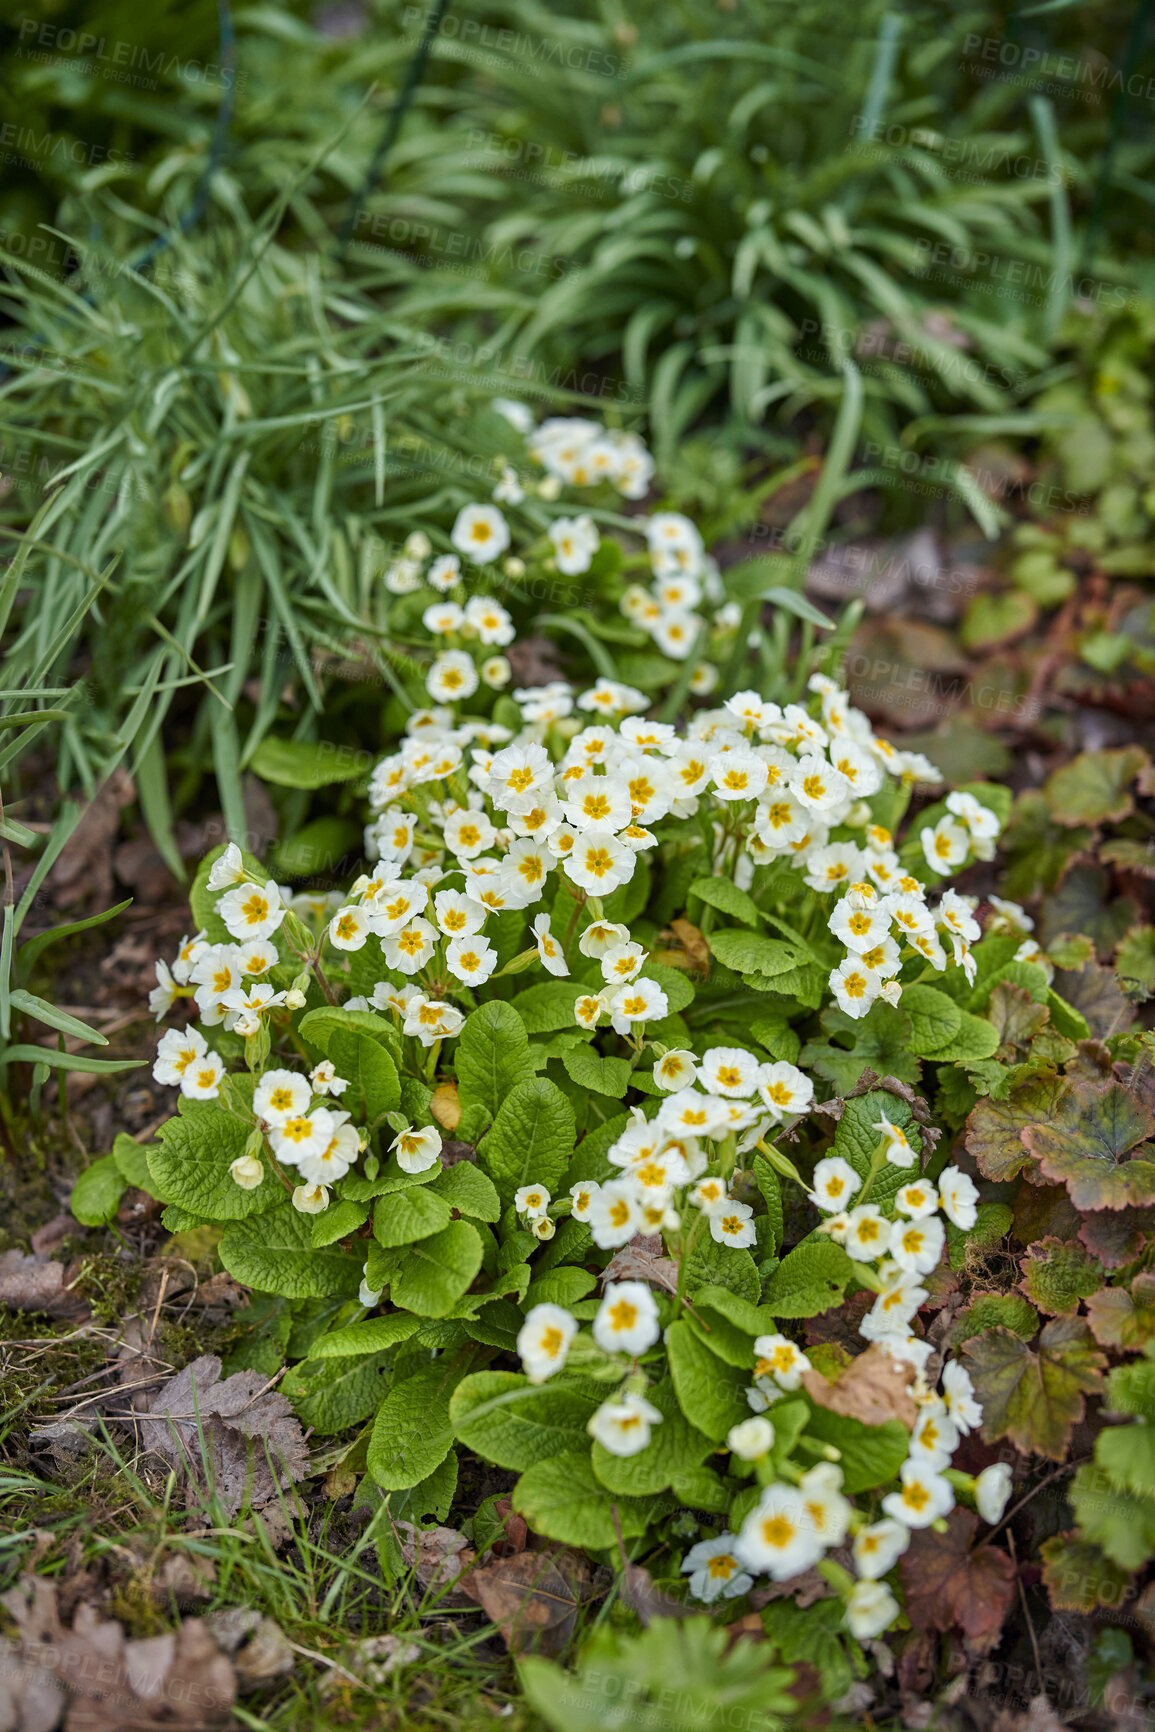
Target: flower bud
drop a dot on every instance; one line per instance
(247, 1172)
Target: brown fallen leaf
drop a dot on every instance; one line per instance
(643, 1260)
(438, 1556)
(694, 945)
(253, 1445)
(257, 1645)
(33, 1283)
(534, 1598)
(642, 1595)
(948, 1583)
(101, 1682)
(873, 1388)
(804, 1588)
(83, 869)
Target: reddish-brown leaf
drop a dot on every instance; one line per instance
(534, 1598)
(949, 1581)
(873, 1388)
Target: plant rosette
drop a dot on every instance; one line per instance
(523, 1128)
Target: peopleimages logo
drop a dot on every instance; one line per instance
(21, 144)
(117, 60)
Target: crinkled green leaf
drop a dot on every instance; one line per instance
(934, 1019)
(513, 1422)
(562, 1498)
(191, 1165)
(406, 1216)
(412, 1433)
(531, 1140)
(810, 1279)
(492, 1059)
(711, 1392)
(97, 1192)
(589, 1070)
(274, 1253)
(434, 1273)
(1056, 1275)
(675, 1447)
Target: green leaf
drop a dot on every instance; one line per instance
(675, 1447)
(768, 1183)
(976, 1039)
(305, 764)
(406, 1216)
(995, 1311)
(132, 1159)
(709, 1390)
(1034, 1398)
(810, 1279)
(560, 1287)
(1056, 1276)
(329, 1395)
(316, 848)
(338, 1221)
(370, 1335)
(589, 1070)
(97, 1192)
(857, 1137)
(869, 1455)
(1093, 788)
(276, 1254)
(547, 1007)
(934, 1019)
(437, 1271)
(39, 1008)
(562, 1498)
(492, 1059)
(467, 1189)
(513, 1422)
(995, 1127)
(412, 1434)
(1121, 1524)
(724, 894)
(749, 953)
(370, 1072)
(191, 1165)
(1095, 1143)
(531, 1140)
(712, 1265)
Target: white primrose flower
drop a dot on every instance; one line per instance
(471, 960)
(860, 929)
(325, 1080)
(257, 958)
(690, 1114)
(417, 1151)
(247, 1171)
(543, 1340)
(733, 1225)
(444, 573)
(583, 1194)
(334, 1160)
(917, 1245)
(946, 846)
(410, 948)
(714, 1570)
(710, 1194)
(834, 1183)
(675, 1069)
(958, 1397)
(227, 869)
(739, 775)
(310, 1199)
(188, 951)
(627, 1319)
(531, 1201)
(350, 928)
(548, 948)
(458, 916)
(895, 1306)
(870, 1609)
(489, 620)
(622, 963)
(959, 1197)
(508, 491)
(854, 987)
(615, 1214)
(202, 1080)
(467, 834)
(249, 911)
(496, 673)
(899, 1149)
(867, 1233)
(778, 1538)
(575, 541)
(784, 1090)
(751, 1438)
(993, 1491)
(164, 994)
(369, 1297)
(602, 936)
(431, 1019)
(588, 1010)
(480, 533)
(877, 1548)
(925, 1496)
(829, 1511)
(442, 618)
(1008, 916)
(281, 1095)
(642, 1001)
(780, 1358)
(624, 1427)
(303, 1136)
(935, 1437)
(176, 1051)
(452, 676)
(916, 1200)
(729, 1071)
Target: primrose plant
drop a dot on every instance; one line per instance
(598, 1014)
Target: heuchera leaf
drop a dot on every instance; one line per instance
(1079, 1577)
(995, 1311)
(1056, 1275)
(1122, 1317)
(994, 1129)
(1034, 1398)
(1093, 788)
(1088, 1143)
(949, 1581)
(1120, 1523)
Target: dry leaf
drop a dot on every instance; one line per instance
(643, 1260)
(642, 1595)
(803, 1589)
(445, 1106)
(534, 1598)
(873, 1388)
(100, 1681)
(438, 1556)
(948, 1583)
(258, 1646)
(253, 1441)
(34, 1284)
